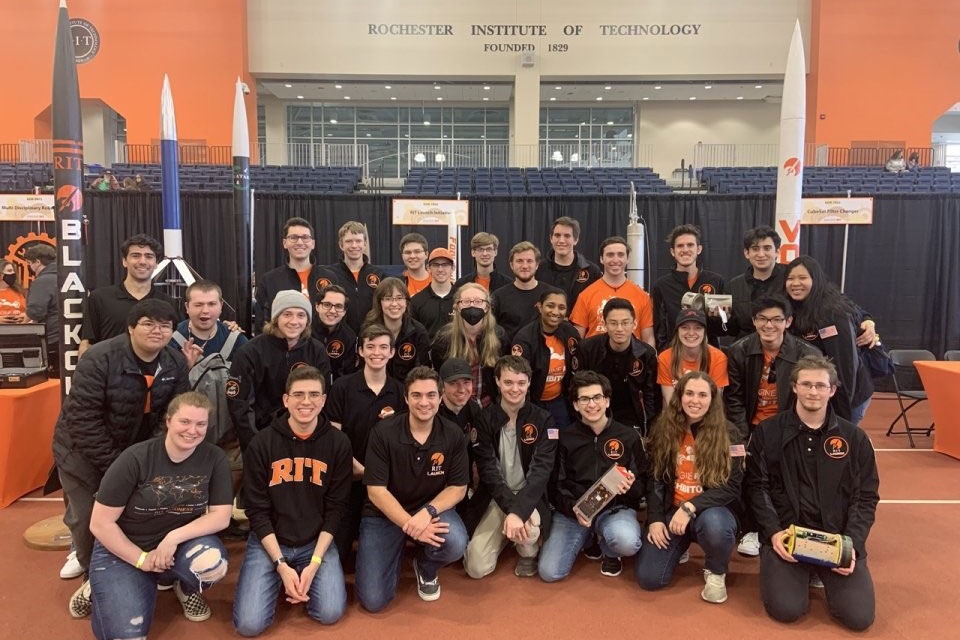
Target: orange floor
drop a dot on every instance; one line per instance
(912, 558)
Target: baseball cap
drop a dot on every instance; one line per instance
(691, 315)
(440, 253)
(455, 369)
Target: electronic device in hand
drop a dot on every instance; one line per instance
(601, 493)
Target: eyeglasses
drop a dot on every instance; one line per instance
(623, 324)
(585, 400)
(819, 386)
(303, 395)
(150, 326)
(441, 265)
(473, 303)
(394, 299)
(485, 250)
(762, 320)
(303, 238)
(327, 306)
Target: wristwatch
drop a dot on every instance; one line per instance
(432, 510)
(279, 561)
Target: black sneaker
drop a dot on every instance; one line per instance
(428, 590)
(195, 608)
(592, 550)
(611, 566)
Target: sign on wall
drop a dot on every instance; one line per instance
(26, 208)
(837, 210)
(86, 40)
(410, 211)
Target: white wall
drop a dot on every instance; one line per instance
(674, 128)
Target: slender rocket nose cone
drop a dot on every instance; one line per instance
(168, 120)
(241, 136)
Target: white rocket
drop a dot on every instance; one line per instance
(790, 157)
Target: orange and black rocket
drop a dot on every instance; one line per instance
(68, 189)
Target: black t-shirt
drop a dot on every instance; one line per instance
(810, 442)
(160, 495)
(353, 405)
(105, 311)
(514, 308)
(414, 473)
(616, 367)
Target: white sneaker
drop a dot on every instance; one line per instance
(749, 544)
(71, 568)
(815, 581)
(685, 558)
(715, 589)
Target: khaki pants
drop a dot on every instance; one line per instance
(480, 558)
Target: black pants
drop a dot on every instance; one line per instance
(349, 527)
(78, 500)
(785, 590)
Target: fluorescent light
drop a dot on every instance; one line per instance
(333, 121)
(393, 97)
(557, 88)
(629, 135)
(338, 86)
(599, 98)
(346, 97)
(645, 98)
(693, 97)
(299, 97)
(486, 87)
(386, 86)
(288, 85)
(426, 123)
(708, 86)
(486, 99)
(609, 122)
(739, 97)
(436, 87)
(657, 87)
(759, 86)
(439, 98)
(607, 88)
(368, 135)
(553, 99)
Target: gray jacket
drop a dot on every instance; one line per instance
(42, 302)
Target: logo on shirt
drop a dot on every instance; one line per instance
(836, 447)
(407, 351)
(517, 350)
(707, 288)
(571, 344)
(386, 412)
(474, 435)
(637, 368)
(335, 349)
(232, 388)
(436, 464)
(528, 434)
(292, 470)
(373, 280)
(613, 449)
(583, 276)
(322, 283)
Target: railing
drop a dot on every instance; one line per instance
(187, 154)
(734, 155)
(878, 156)
(10, 153)
(36, 151)
(316, 154)
(583, 154)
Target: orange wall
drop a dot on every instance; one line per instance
(882, 69)
(201, 44)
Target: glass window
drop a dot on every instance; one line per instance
(568, 116)
(381, 114)
(498, 133)
(468, 132)
(424, 131)
(498, 116)
(340, 114)
(568, 132)
(465, 116)
(376, 130)
(295, 130)
(298, 114)
(338, 130)
(614, 115)
(431, 115)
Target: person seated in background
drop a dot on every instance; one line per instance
(896, 163)
(586, 451)
(13, 297)
(296, 485)
(483, 249)
(155, 519)
(913, 162)
(106, 182)
(689, 351)
(696, 458)
(516, 447)
(333, 333)
(128, 184)
(391, 309)
(433, 307)
(413, 251)
(42, 302)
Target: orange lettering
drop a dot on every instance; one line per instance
(790, 249)
(318, 468)
(281, 471)
(298, 469)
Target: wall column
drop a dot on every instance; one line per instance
(525, 118)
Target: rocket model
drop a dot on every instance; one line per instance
(241, 202)
(172, 234)
(635, 240)
(68, 190)
(790, 170)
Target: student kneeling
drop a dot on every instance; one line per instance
(296, 484)
(157, 509)
(697, 471)
(515, 450)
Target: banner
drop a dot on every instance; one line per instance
(837, 210)
(430, 212)
(26, 208)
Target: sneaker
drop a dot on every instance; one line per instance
(80, 603)
(71, 568)
(592, 550)
(195, 608)
(428, 590)
(815, 581)
(749, 544)
(526, 567)
(611, 566)
(715, 589)
(685, 558)
(164, 587)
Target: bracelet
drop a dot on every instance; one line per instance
(143, 557)
(316, 559)
(687, 510)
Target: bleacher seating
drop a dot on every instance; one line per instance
(518, 181)
(829, 181)
(24, 176)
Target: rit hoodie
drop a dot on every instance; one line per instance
(296, 488)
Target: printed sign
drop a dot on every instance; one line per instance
(837, 210)
(26, 208)
(430, 212)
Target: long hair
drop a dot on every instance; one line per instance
(455, 332)
(17, 285)
(387, 287)
(675, 369)
(712, 441)
(822, 306)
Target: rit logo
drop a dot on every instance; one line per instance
(292, 470)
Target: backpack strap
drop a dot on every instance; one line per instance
(179, 339)
(229, 344)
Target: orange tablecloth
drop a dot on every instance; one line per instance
(941, 381)
(27, 417)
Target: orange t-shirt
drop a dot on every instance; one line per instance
(304, 277)
(686, 485)
(588, 312)
(149, 381)
(356, 274)
(12, 303)
(415, 286)
(558, 368)
(717, 369)
(483, 281)
(767, 393)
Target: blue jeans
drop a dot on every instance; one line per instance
(381, 549)
(125, 597)
(617, 530)
(857, 413)
(714, 529)
(558, 409)
(259, 585)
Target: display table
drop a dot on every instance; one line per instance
(941, 381)
(27, 417)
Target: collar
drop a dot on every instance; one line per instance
(795, 424)
(406, 437)
(777, 268)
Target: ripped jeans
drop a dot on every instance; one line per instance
(125, 597)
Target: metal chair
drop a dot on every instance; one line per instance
(907, 384)
(952, 356)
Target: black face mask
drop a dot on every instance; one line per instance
(10, 278)
(472, 315)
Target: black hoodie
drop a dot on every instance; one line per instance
(572, 279)
(296, 488)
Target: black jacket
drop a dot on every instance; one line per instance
(411, 349)
(744, 368)
(660, 490)
(281, 279)
(537, 440)
(530, 343)
(296, 488)
(439, 355)
(571, 279)
(42, 302)
(497, 280)
(258, 379)
(846, 471)
(667, 294)
(745, 289)
(341, 345)
(431, 310)
(583, 456)
(359, 290)
(645, 393)
(103, 413)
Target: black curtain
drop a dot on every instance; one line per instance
(903, 268)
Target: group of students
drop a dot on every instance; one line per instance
(350, 421)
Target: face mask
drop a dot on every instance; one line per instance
(472, 315)
(10, 278)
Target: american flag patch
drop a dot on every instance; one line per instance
(553, 434)
(828, 332)
(737, 451)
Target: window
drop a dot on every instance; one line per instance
(587, 136)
